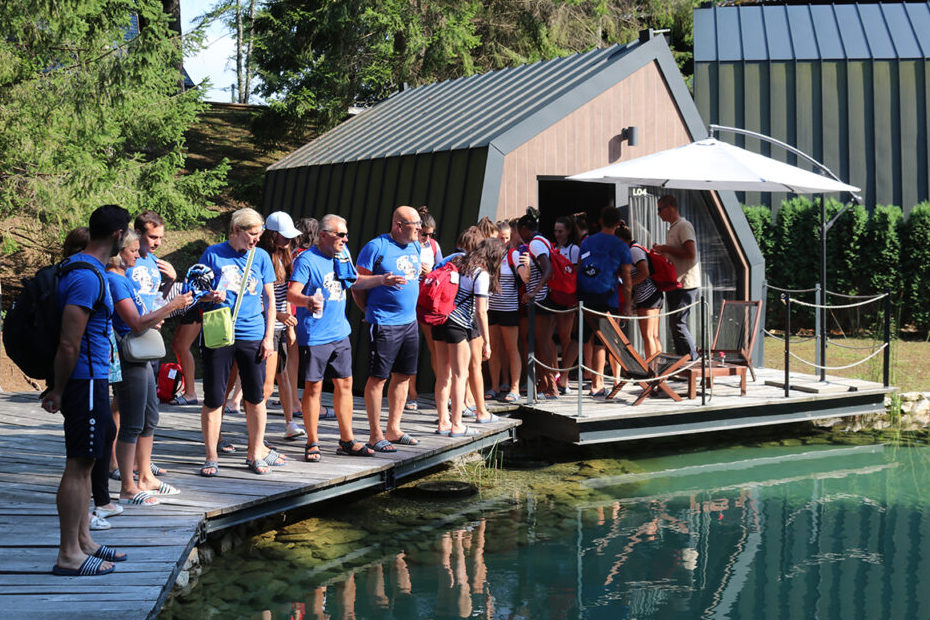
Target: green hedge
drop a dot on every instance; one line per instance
(866, 254)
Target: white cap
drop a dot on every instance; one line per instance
(281, 222)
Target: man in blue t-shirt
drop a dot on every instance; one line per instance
(603, 258)
(393, 338)
(79, 389)
(319, 280)
(151, 276)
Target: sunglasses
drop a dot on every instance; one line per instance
(341, 235)
(429, 234)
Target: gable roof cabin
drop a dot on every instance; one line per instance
(492, 144)
(845, 83)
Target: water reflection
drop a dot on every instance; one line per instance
(777, 532)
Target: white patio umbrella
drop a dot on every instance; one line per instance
(714, 165)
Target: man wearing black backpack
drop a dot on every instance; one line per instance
(79, 389)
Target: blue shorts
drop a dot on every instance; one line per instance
(316, 359)
(89, 427)
(217, 364)
(393, 348)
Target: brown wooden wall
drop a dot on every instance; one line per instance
(586, 139)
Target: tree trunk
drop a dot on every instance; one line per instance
(250, 37)
(240, 64)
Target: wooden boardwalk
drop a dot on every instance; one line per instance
(159, 539)
(764, 404)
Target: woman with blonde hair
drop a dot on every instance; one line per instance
(234, 262)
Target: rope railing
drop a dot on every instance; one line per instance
(862, 361)
(788, 290)
(641, 318)
(839, 307)
(849, 296)
(834, 343)
(793, 340)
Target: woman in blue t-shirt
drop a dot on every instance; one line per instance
(253, 339)
(138, 402)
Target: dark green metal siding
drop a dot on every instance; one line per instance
(867, 120)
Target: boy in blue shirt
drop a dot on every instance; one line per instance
(319, 280)
(150, 275)
(80, 389)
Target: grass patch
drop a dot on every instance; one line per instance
(909, 368)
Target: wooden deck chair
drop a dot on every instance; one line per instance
(735, 337)
(633, 368)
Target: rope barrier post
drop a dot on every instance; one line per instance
(820, 300)
(822, 311)
(580, 363)
(886, 362)
(531, 356)
(787, 302)
(703, 350)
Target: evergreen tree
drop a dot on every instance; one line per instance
(91, 111)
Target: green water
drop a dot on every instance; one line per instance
(766, 532)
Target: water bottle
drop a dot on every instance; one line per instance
(319, 295)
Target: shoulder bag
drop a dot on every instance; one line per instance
(219, 326)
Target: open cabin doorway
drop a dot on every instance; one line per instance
(558, 197)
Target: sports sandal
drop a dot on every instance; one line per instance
(209, 465)
(275, 458)
(347, 448)
(382, 446)
(312, 452)
(225, 446)
(109, 554)
(258, 466)
(405, 440)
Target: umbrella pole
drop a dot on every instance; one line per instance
(822, 310)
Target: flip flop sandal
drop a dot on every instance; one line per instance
(328, 414)
(109, 554)
(488, 420)
(139, 499)
(469, 412)
(258, 466)
(228, 409)
(114, 475)
(444, 433)
(156, 470)
(411, 405)
(225, 447)
(468, 432)
(491, 395)
(382, 446)
(347, 448)
(180, 401)
(275, 458)
(405, 440)
(511, 397)
(165, 489)
(312, 453)
(91, 567)
(209, 465)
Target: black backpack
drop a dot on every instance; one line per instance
(33, 323)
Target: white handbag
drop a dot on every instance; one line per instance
(144, 347)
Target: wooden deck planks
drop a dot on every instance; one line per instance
(158, 539)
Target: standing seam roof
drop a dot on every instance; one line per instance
(811, 32)
(462, 113)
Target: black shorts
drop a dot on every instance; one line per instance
(315, 360)
(194, 315)
(280, 346)
(452, 333)
(654, 301)
(393, 348)
(542, 306)
(89, 427)
(587, 333)
(217, 364)
(504, 318)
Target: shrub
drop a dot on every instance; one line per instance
(916, 259)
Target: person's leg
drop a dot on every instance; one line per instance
(459, 358)
(566, 327)
(252, 377)
(476, 377)
(545, 353)
(342, 405)
(681, 335)
(374, 394)
(497, 362)
(397, 396)
(293, 361)
(217, 365)
(311, 407)
(114, 411)
(600, 359)
(403, 371)
(73, 520)
(132, 397)
(443, 382)
(651, 336)
(510, 336)
(147, 480)
(184, 337)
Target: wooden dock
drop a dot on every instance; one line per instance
(159, 539)
(764, 404)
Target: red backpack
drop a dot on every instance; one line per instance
(563, 283)
(661, 270)
(170, 382)
(437, 294)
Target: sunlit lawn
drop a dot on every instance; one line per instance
(910, 360)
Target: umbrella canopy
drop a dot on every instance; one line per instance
(714, 165)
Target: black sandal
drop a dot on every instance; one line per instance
(312, 453)
(347, 448)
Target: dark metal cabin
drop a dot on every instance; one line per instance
(492, 144)
(845, 83)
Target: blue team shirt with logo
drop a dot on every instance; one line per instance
(228, 266)
(81, 288)
(121, 288)
(146, 279)
(389, 305)
(314, 270)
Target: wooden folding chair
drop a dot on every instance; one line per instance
(633, 368)
(736, 333)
